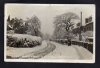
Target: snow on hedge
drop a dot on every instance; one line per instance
(23, 36)
(30, 38)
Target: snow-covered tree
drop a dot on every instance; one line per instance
(64, 24)
(34, 26)
(10, 23)
(16, 25)
(19, 26)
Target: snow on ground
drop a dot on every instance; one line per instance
(68, 52)
(73, 52)
(39, 53)
(62, 52)
(83, 53)
(16, 52)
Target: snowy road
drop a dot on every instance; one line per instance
(50, 50)
(39, 52)
(69, 52)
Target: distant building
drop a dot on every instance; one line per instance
(89, 24)
(86, 30)
(89, 27)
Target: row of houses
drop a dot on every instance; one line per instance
(87, 28)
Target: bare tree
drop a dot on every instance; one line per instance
(65, 21)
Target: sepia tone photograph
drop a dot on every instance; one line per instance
(58, 33)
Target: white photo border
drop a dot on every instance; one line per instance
(51, 60)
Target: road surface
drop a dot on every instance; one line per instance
(39, 53)
(69, 52)
(50, 50)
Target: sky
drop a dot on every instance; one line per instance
(47, 12)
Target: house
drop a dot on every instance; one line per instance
(86, 30)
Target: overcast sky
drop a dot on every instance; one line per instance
(47, 12)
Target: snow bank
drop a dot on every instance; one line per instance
(24, 37)
(18, 52)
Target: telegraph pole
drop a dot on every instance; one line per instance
(80, 36)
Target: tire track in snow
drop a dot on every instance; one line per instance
(40, 53)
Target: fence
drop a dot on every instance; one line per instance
(87, 45)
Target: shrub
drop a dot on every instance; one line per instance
(23, 40)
